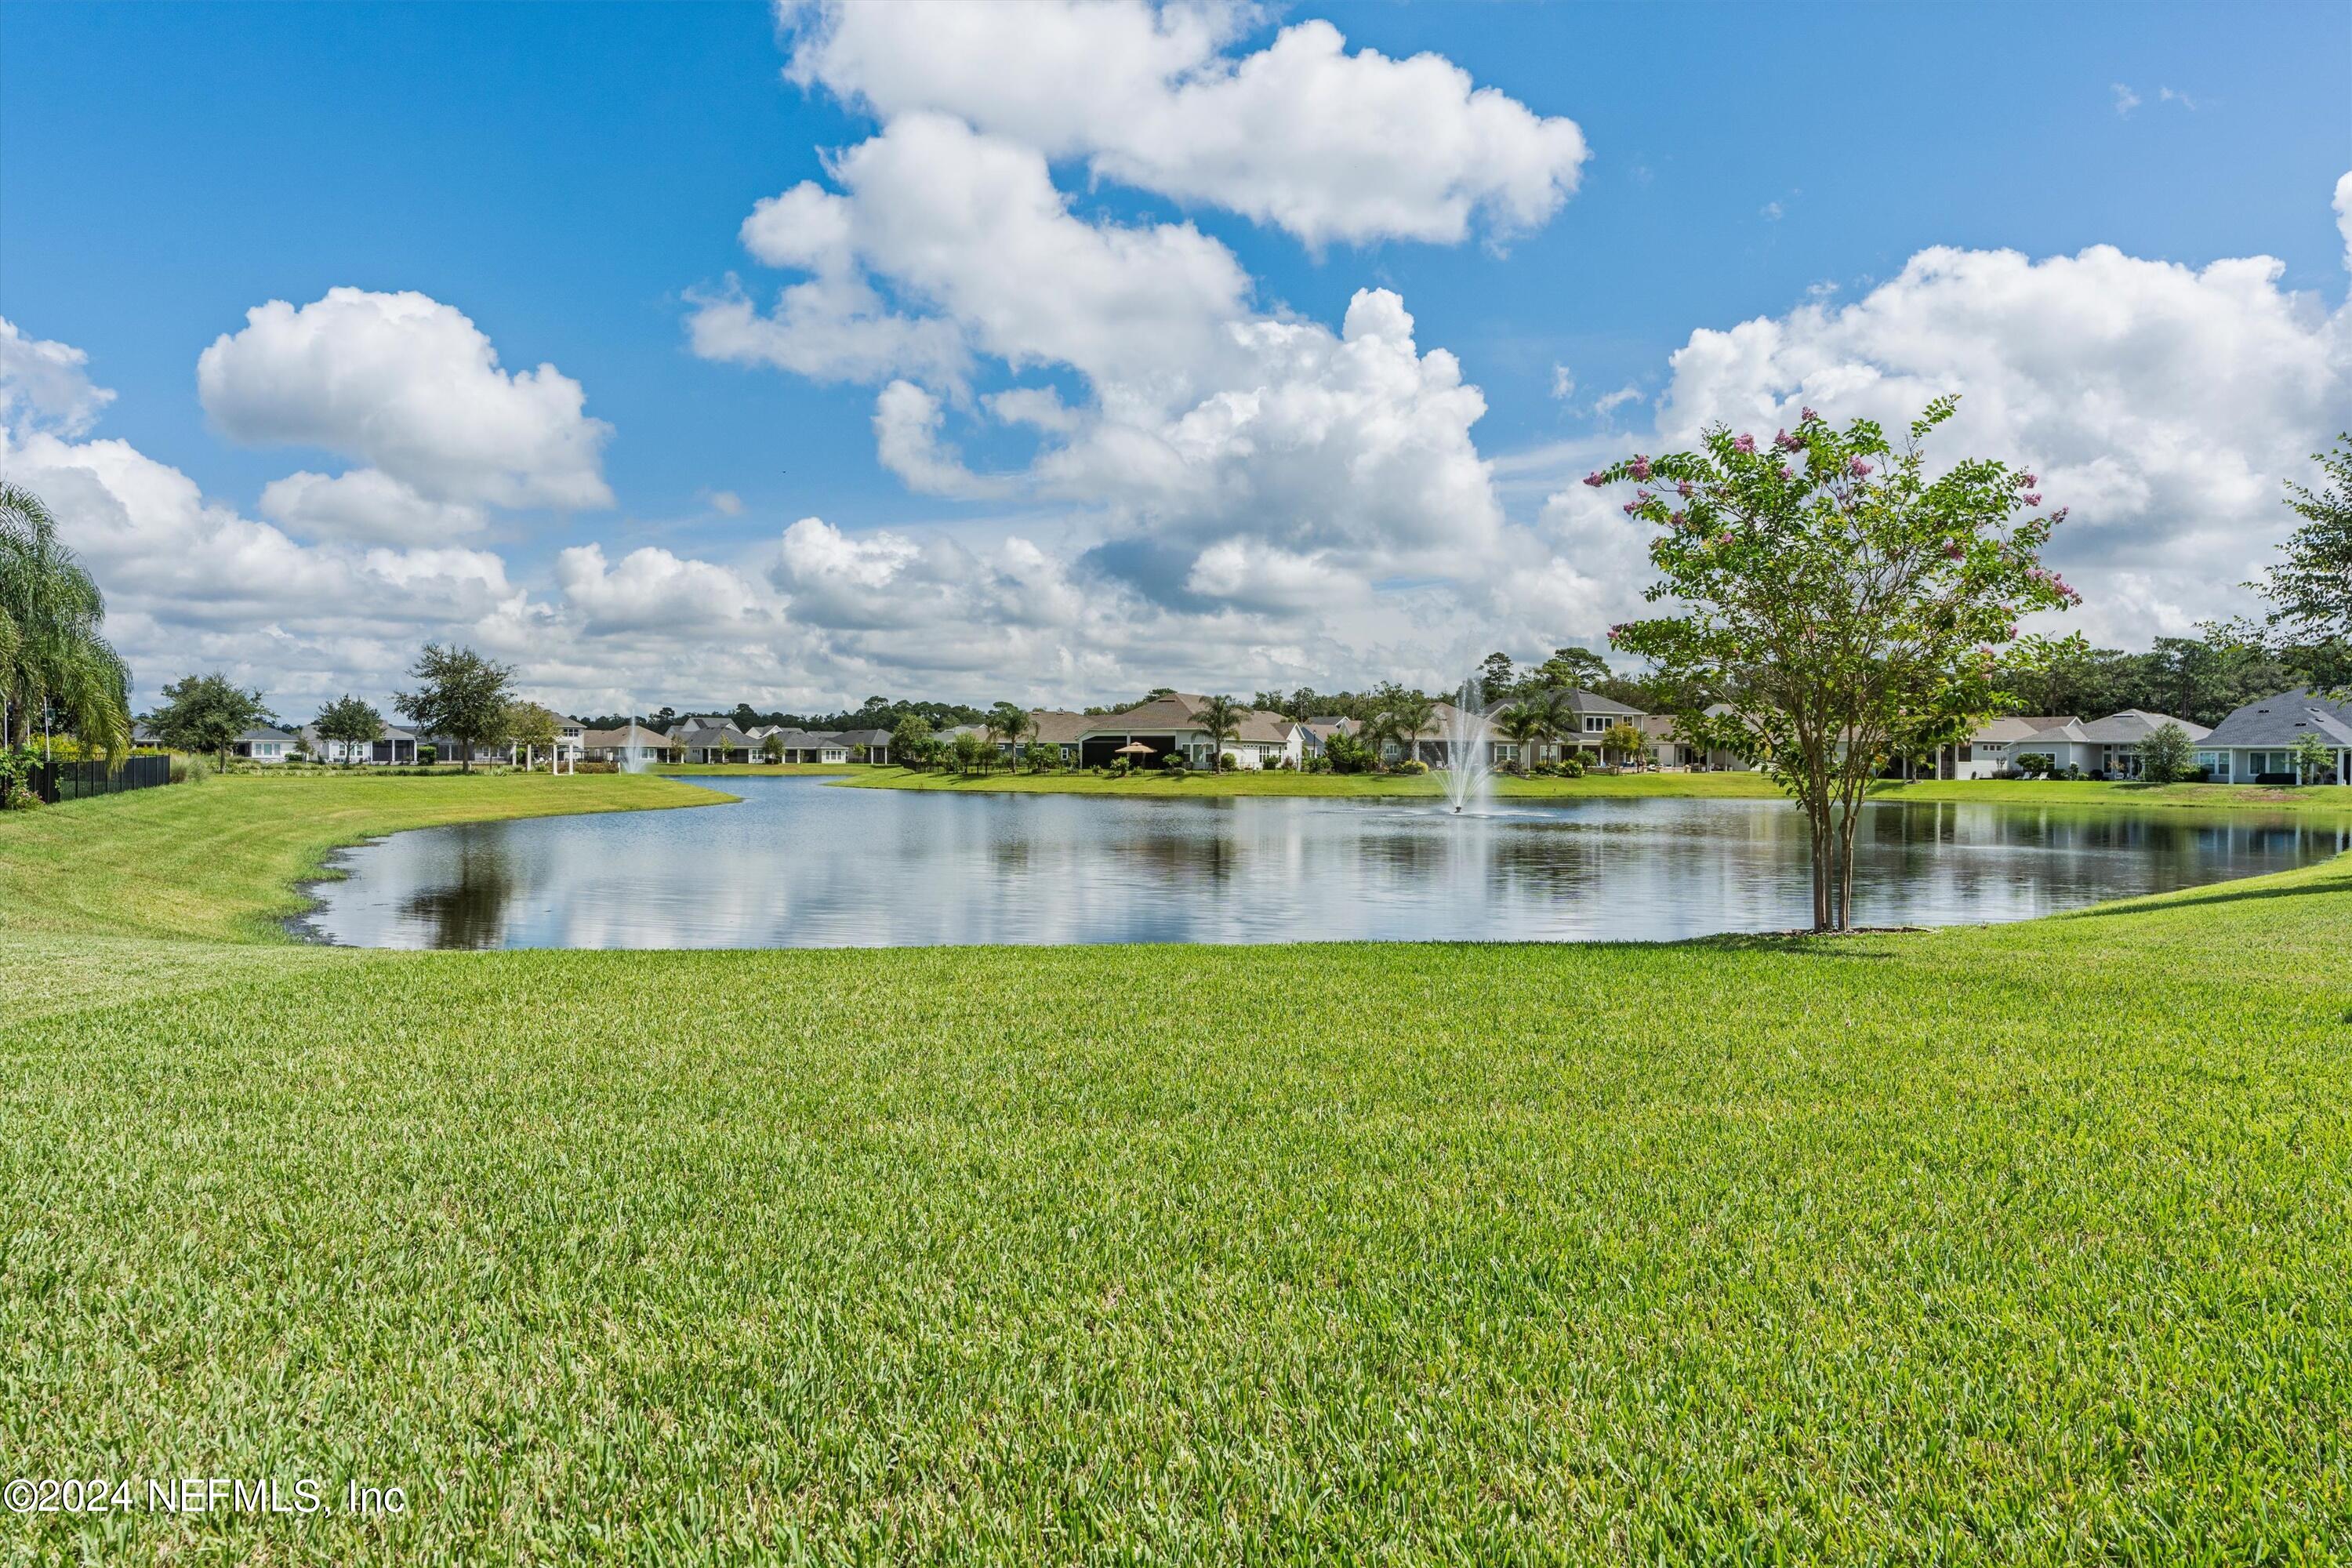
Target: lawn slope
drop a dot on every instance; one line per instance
(2028, 1243)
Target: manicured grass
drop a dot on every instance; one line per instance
(219, 860)
(756, 769)
(2027, 1243)
(1721, 786)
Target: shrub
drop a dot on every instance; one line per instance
(1347, 755)
(16, 765)
(1227, 762)
(1316, 764)
(598, 767)
(1176, 765)
(2034, 765)
(427, 755)
(1410, 765)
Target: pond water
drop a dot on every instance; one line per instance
(799, 864)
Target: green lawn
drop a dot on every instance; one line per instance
(2028, 1243)
(1724, 785)
(756, 769)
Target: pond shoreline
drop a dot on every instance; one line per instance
(808, 867)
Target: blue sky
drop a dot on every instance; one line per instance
(572, 179)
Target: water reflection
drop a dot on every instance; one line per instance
(800, 865)
(469, 908)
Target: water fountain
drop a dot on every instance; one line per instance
(1469, 773)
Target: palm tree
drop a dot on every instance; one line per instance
(51, 652)
(1412, 713)
(1522, 722)
(1008, 723)
(1220, 717)
(1556, 707)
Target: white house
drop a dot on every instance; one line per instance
(630, 747)
(395, 747)
(263, 743)
(2108, 746)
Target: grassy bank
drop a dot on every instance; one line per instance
(2018, 1243)
(87, 888)
(754, 770)
(1705, 786)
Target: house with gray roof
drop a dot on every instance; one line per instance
(395, 747)
(629, 747)
(875, 744)
(2256, 744)
(263, 743)
(712, 740)
(2107, 748)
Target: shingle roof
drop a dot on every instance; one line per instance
(631, 734)
(2132, 726)
(864, 737)
(2282, 720)
(1181, 710)
(1176, 711)
(2017, 727)
(1057, 727)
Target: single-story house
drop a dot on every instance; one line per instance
(1059, 729)
(875, 745)
(713, 741)
(801, 745)
(2108, 746)
(1989, 752)
(2257, 743)
(1172, 724)
(446, 749)
(395, 747)
(263, 743)
(630, 747)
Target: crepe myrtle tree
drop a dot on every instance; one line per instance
(1843, 605)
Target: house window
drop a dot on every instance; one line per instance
(1595, 723)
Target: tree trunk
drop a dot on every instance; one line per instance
(1818, 820)
(1845, 876)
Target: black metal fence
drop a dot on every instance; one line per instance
(54, 782)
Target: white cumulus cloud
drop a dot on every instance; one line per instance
(410, 386)
(2165, 405)
(1327, 144)
(46, 385)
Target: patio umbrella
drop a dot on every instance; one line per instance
(1134, 749)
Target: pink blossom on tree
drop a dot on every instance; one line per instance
(1842, 617)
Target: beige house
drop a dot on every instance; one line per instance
(1172, 724)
